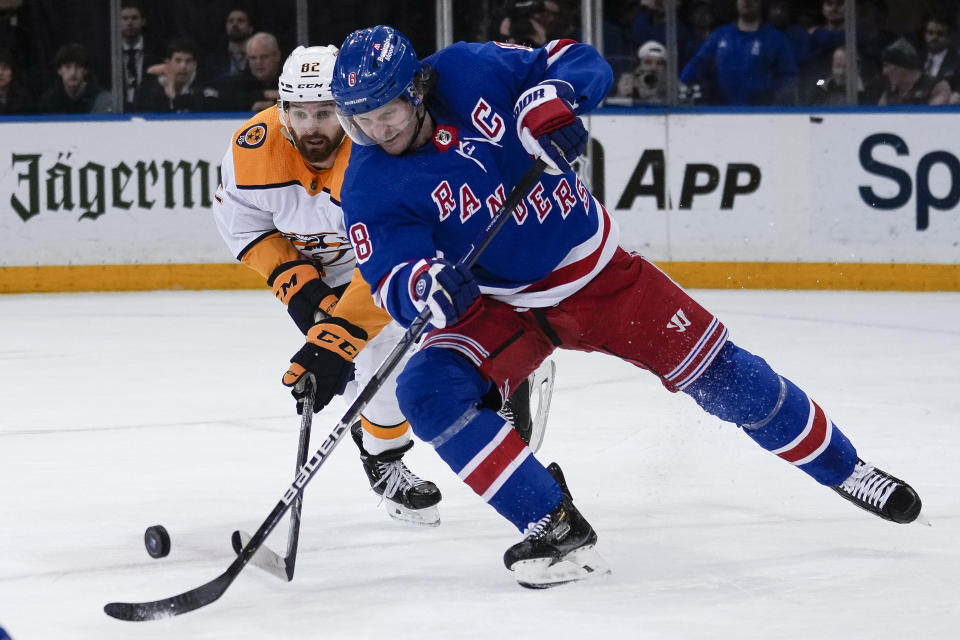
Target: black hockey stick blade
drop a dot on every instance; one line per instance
(174, 606)
(211, 591)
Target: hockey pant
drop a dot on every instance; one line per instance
(649, 321)
(384, 426)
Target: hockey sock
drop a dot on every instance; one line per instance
(440, 392)
(740, 387)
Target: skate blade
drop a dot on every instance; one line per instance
(428, 517)
(542, 383)
(582, 564)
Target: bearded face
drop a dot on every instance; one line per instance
(315, 131)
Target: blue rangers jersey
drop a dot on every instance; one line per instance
(436, 200)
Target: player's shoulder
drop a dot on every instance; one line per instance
(260, 151)
(475, 56)
(255, 132)
(364, 162)
(370, 166)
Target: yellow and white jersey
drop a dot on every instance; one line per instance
(272, 207)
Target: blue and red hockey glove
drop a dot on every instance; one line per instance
(449, 290)
(547, 125)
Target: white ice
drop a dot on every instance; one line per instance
(120, 411)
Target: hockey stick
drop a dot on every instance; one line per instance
(211, 591)
(282, 566)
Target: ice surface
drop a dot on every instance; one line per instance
(120, 411)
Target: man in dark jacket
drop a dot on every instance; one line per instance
(76, 89)
(178, 88)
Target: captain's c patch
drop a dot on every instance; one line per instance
(253, 136)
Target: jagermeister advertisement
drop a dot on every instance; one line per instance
(113, 191)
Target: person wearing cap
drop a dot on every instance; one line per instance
(645, 82)
(906, 81)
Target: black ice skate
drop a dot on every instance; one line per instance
(407, 497)
(528, 407)
(557, 549)
(880, 493)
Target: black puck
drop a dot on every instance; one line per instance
(157, 541)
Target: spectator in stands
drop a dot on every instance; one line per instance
(528, 22)
(940, 58)
(619, 45)
(825, 38)
(256, 88)
(22, 33)
(646, 82)
(177, 89)
(747, 62)
(780, 16)
(230, 58)
(137, 56)
(76, 89)
(906, 81)
(832, 90)
(14, 97)
(872, 38)
(651, 24)
(702, 18)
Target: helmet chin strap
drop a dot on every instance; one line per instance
(421, 115)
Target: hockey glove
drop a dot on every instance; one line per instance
(547, 126)
(298, 285)
(328, 355)
(447, 289)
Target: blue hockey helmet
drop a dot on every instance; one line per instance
(375, 66)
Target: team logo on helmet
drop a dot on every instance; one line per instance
(352, 78)
(253, 136)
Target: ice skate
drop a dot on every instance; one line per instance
(557, 549)
(880, 493)
(407, 497)
(528, 407)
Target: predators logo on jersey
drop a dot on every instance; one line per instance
(253, 136)
(327, 248)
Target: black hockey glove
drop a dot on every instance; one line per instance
(298, 285)
(328, 355)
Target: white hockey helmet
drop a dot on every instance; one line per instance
(306, 75)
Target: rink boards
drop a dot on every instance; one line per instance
(864, 200)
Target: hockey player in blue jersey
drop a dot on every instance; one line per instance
(443, 141)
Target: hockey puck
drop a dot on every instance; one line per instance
(157, 541)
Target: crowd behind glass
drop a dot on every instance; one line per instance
(226, 55)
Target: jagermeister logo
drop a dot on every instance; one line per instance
(62, 182)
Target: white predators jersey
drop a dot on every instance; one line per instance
(274, 208)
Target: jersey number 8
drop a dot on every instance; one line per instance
(360, 240)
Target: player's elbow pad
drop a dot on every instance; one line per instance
(298, 285)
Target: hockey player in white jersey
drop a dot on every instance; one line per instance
(279, 213)
(278, 210)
